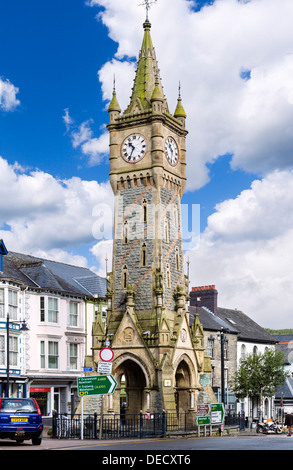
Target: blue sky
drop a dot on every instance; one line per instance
(234, 61)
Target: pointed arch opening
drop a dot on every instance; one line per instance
(183, 383)
(131, 388)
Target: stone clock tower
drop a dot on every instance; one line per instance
(158, 358)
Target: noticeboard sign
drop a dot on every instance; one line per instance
(217, 413)
(210, 414)
(104, 367)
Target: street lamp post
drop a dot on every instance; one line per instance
(223, 339)
(23, 327)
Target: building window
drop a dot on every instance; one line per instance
(143, 256)
(13, 350)
(52, 310)
(177, 261)
(145, 211)
(73, 350)
(166, 231)
(175, 217)
(124, 277)
(73, 313)
(49, 354)
(12, 304)
(168, 276)
(53, 358)
(49, 310)
(2, 308)
(42, 309)
(125, 232)
(210, 347)
(2, 350)
(243, 351)
(43, 355)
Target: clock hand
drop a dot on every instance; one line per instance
(133, 147)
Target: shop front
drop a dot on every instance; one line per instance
(59, 396)
(18, 386)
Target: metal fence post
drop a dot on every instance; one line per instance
(163, 424)
(140, 424)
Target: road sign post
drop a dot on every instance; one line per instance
(96, 385)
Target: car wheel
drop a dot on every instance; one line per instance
(36, 441)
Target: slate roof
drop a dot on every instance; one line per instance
(234, 320)
(285, 390)
(209, 320)
(45, 274)
(248, 329)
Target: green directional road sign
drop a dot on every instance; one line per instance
(96, 385)
(217, 413)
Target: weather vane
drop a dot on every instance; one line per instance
(147, 4)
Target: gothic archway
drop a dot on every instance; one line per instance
(182, 384)
(131, 387)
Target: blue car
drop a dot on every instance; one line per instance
(20, 419)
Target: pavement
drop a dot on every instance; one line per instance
(49, 443)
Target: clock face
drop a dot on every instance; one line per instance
(171, 151)
(133, 148)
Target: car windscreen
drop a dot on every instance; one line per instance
(17, 406)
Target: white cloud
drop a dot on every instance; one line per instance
(41, 214)
(68, 121)
(247, 251)
(95, 148)
(102, 251)
(249, 116)
(83, 134)
(8, 92)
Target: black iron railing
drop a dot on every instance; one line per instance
(111, 426)
(115, 426)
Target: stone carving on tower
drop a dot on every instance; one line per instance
(158, 358)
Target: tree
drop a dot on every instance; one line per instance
(259, 375)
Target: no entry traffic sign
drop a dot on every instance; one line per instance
(106, 354)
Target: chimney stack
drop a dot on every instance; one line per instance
(205, 296)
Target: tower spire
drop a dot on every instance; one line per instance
(147, 76)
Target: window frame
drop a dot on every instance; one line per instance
(48, 356)
(47, 314)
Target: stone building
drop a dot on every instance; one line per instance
(158, 357)
(242, 336)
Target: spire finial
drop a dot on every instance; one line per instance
(179, 90)
(114, 84)
(147, 4)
